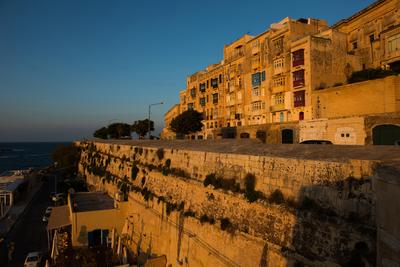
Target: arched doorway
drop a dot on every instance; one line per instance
(244, 135)
(387, 134)
(287, 136)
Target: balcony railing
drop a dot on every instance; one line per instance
(298, 62)
(298, 83)
(280, 88)
(277, 107)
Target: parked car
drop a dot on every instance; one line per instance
(47, 214)
(33, 259)
(58, 197)
(48, 210)
(317, 142)
(45, 218)
(52, 194)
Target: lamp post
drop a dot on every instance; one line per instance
(149, 114)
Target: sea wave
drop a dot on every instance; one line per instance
(8, 157)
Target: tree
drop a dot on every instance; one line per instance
(101, 133)
(141, 127)
(119, 130)
(187, 122)
(67, 158)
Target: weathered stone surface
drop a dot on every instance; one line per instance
(172, 209)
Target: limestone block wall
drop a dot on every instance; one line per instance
(173, 213)
(363, 98)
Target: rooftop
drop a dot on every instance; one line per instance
(10, 180)
(91, 201)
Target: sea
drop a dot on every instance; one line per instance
(17, 156)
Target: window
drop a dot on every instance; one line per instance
(256, 92)
(193, 92)
(301, 116)
(256, 106)
(256, 79)
(255, 61)
(202, 87)
(298, 78)
(203, 101)
(190, 106)
(281, 117)
(299, 98)
(214, 83)
(208, 84)
(237, 116)
(215, 98)
(279, 63)
(255, 44)
(354, 45)
(298, 58)
(280, 81)
(215, 115)
(263, 76)
(371, 38)
(279, 99)
(220, 78)
(394, 43)
(278, 44)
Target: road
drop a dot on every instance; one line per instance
(29, 233)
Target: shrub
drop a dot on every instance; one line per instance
(225, 224)
(170, 207)
(204, 218)
(181, 206)
(160, 153)
(252, 195)
(250, 183)
(134, 172)
(189, 213)
(276, 197)
(226, 184)
(369, 74)
(210, 180)
(168, 163)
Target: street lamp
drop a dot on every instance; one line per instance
(149, 114)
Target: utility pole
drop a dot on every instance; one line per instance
(149, 129)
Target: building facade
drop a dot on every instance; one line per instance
(277, 76)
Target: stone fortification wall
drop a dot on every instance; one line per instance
(255, 210)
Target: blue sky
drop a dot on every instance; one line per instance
(70, 67)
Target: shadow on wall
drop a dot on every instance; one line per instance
(334, 223)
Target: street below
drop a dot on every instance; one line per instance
(29, 233)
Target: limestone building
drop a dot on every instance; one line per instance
(278, 78)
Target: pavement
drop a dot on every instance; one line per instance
(255, 147)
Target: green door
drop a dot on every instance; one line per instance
(387, 134)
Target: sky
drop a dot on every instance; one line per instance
(69, 67)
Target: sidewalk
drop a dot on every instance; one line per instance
(17, 210)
